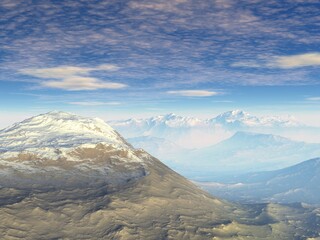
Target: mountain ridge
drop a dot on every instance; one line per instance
(59, 148)
(190, 132)
(242, 153)
(297, 183)
(108, 190)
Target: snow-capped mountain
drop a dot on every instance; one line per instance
(190, 132)
(172, 126)
(235, 117)
(61, 130)
(58, 144)
(238, 118)
(298, 183)
(183, 131)
(170, 120)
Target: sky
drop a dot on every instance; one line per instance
(135, 58)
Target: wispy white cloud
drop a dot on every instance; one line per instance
(56, 72)
(77, 83)
(66, 71)
(95, 103)
(249, 64)
(72, 78)
(313, 99)
(194, 93)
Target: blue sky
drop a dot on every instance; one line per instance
(129, 58)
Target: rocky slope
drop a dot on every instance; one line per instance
(67, 183)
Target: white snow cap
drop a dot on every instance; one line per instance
(234, 117)
(246, 119)
(57, 129)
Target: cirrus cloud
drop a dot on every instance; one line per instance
(77, 83)
(194, 93)
(284, 62)
(89, 104)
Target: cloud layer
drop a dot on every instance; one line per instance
(285, 62)
(155, 54)
(313, 99)
(72, 78)
(300, 60)
(189, 41)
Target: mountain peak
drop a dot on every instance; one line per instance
(164, 117)
(58, 113)
(236, 116)
(252, 139)
(62, 116)
(57, 129)
(235, 113)
(170, 116)
(239, 118)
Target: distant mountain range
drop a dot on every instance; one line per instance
(190, 132)
(238, 118)
(298, 183)
(174, 128)
(233, 118)
(243, 152)
(247, 151)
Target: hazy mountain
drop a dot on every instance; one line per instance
(167, 151)
(190, 132)
(184, 131)
(298, 183)
(156, 125)
(68, 177)
(247, 151)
